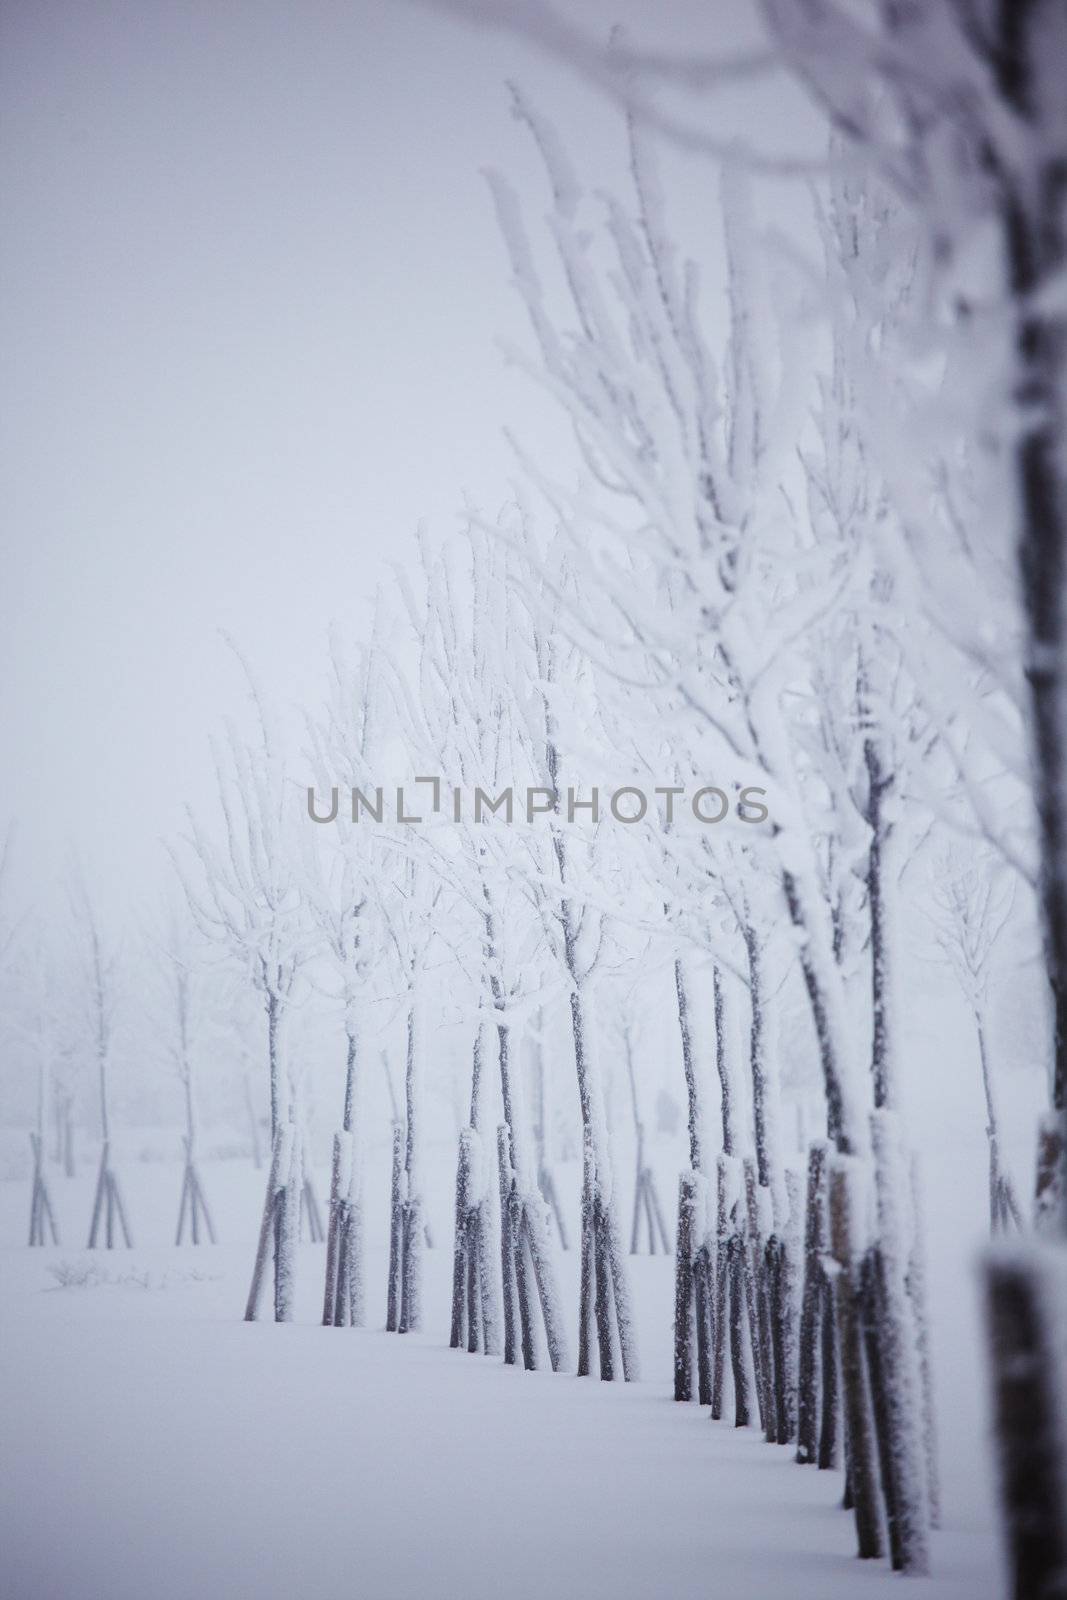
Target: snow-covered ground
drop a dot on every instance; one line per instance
(155, 1444)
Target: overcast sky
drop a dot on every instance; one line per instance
(252, 294)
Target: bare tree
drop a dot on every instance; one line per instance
(39, 1026)
(410, 925)
(680, 541)
(245, 896)
(577, 931)
(339, 885)
(98, 969)
(467, 720)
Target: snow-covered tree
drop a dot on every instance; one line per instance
(244, 891)
(973, 901)
(340, 889)
(179, 976)
(97, 976)
(577, 931)
(466, 720)
(709, 586)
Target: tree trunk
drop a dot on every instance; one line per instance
(1036, 238)
(396, 1228)
(723, 1066)
(412, 1239)
(536, 1232)
(906, 1489)
(604, 1279)
(546, 1182)
(703, 1308)
(462, 1281)
(340, 1182)
(412, 1221)
(720, 1323)
(758, 1306)
(350, 1310)
(1026, 1289)
(738, 1276)
(683, 1288)
(288, 1232)
(41, 1213)
(268, 1233)
(585, 1287)
(828, 1416)
(878, 886)
(815, 1242)
(692, 1089)
(768, 1156)
(915, 1283)
(848, 1253)
(786, 1307)
(507, 1250)
(274, 1062)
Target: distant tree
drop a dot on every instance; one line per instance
(341, 874)
(178, 973)
(244, 892)
(97, 977)
(467, 721)
(973, 900)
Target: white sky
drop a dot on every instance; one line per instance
(251, 297)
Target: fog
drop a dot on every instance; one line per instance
(253, 300)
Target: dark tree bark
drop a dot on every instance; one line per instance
(1035, 234)
(507, 1252)
(396, 1226)
(333, 1233)
(828, 1417)
(603, 1290)
(343, 1293)
(279, 1163)
(758, 1305)
(896, 1384)
(41, 1213)
(736, 1260)
(603, 1297)
(1024, 1296)
(646, 1198)
(683, 1289)
(721, 1323)
(862, 1467)
(704, 1311)
(585, 1287)
(722, 1062)
(461, 1292)
(692, 1089)
(412, 1222)
(1038, 253)
(546, 1181)
(879, 784)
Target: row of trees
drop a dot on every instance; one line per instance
(938, 490)
(740, 625)
(756, 582)
(81, 1005)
